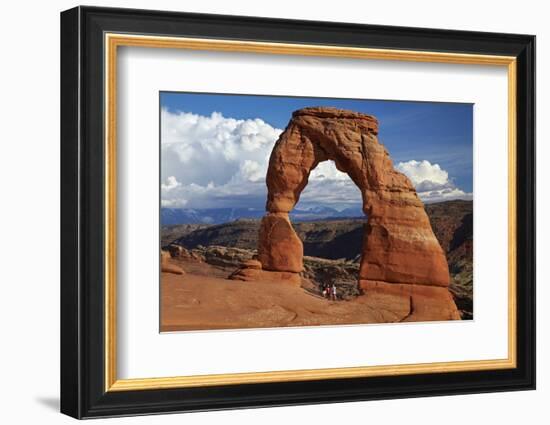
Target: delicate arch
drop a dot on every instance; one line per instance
(399, 245)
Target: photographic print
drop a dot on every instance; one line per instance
(291, 211)
(317, 194)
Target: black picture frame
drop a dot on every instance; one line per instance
(83, 392)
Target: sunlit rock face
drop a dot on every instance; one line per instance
(399, 245)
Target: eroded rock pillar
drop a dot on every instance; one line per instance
(280, 248)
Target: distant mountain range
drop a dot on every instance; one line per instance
(171, 216)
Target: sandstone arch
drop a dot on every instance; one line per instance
(399, 244)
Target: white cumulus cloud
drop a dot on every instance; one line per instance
(327, 170)
(432, 183)
(199, 149)
(214, 161)
(169, 184)
(420, 171)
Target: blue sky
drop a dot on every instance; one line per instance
(428, 139)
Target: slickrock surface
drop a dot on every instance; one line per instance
(205, 299)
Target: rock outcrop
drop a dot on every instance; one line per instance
(176, 250)
(399, 244)
(166, 266)
(279, 247)
(222, 256)
(426, 302)
(248, 268)
(247, 274)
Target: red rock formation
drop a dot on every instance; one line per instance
(176, 250)
(251, 270)
(426, 302)
(399, 244)
(166, 266)
(252, 264)
(248, 274)
(280, 248)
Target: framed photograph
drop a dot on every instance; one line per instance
(261, 212)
